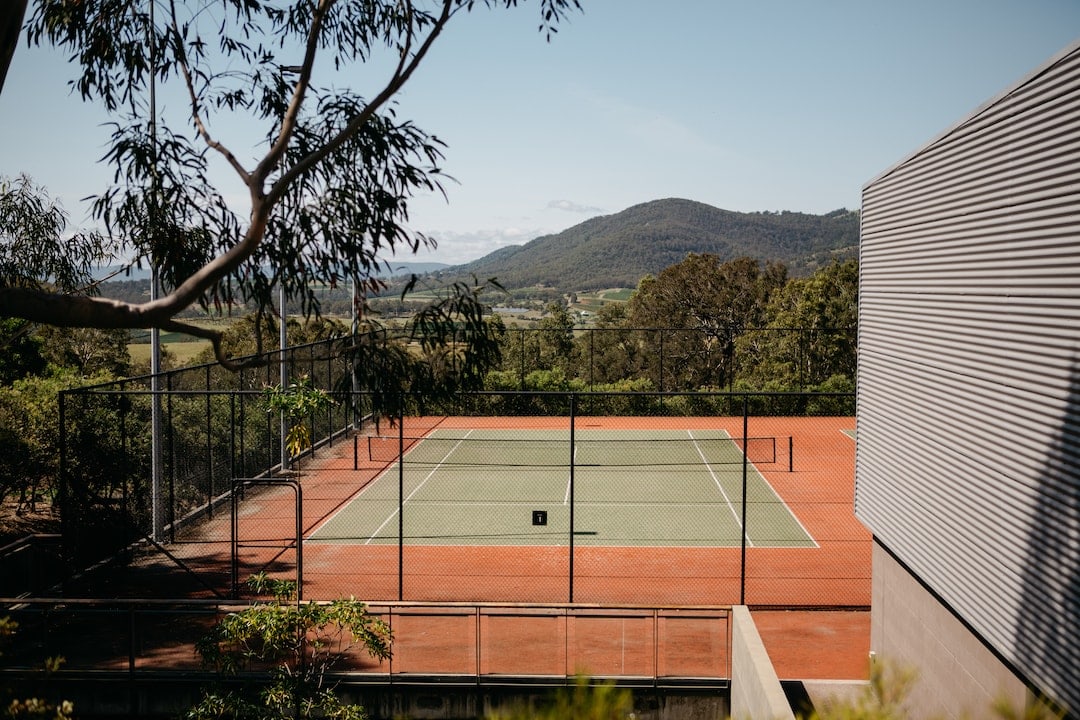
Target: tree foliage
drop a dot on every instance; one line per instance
(37, 254)
(446, 348)
(334, 167)
(583, 700)
(717, 301)
(29, 436)
(297, 402)
(301, 642)
(13, 706)
(809, 333)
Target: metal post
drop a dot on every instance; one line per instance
(661, 376)
(573, 397)
(62, 494)
(283, 375)
(742, 566)
(234, 509)
(242, 470)
(521, 384)
(354, 399)
(299, 541)
(592, 358)
(209, 449)
(401, 501)
(157, 516)
(170, 513)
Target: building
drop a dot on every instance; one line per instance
(968, 459)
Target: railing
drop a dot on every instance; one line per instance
(463, 643)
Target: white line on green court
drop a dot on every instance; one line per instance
(708, 466)
(417, 488)
(570, 480)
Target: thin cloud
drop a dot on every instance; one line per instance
(456, 248)
(573, 207)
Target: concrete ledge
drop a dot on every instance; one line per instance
(756, 693)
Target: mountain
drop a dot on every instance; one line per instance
(618, 250)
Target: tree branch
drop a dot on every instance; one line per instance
(196, 109)
(11, 17)
(401, 75)
(289, 119)
(81, 311)
(215, 337)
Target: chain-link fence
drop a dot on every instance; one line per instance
(126, 484)
(664, 498)
(688, 498)
(678, 359)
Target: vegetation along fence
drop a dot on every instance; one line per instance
(700, 498)
(677, 359)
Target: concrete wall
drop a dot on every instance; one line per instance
(957, 675)
(165, 699)
(756, 693)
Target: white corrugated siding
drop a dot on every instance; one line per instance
(968, 461)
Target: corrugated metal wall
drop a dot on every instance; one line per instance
(968, 465)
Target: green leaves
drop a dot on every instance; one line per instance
(333, 168)
(582, 701)
(297, 644)
(35, 249)
(447, 348)
(297, 402)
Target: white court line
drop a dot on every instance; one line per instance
(349, 501)
(738, 520)
(569, 479)
(417, 488)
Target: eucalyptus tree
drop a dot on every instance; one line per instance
(326, 190)
(809, 337)
(707, 304)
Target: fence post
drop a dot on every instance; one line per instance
(401, 499)
(209, 448)
(661, 375)
(234, 509)
(592, 358)
(573, 400)
(170, 514)
(521, 380)
(62, 491)
(742, 564)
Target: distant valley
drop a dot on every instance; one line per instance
(616, 251)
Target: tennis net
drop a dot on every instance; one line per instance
(557, 452)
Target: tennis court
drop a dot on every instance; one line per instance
(592, 487)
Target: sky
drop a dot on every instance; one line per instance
(746, 105)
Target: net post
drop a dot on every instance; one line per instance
(790, 456)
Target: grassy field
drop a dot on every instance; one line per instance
(182, 347)
(184, 350)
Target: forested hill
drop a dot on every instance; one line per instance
(618, 250)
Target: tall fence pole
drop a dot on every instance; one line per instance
(745, 434)
(401, 501)
(62, 490)
(573, 404)
(234, 507)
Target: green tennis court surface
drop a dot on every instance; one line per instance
(526, 487)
